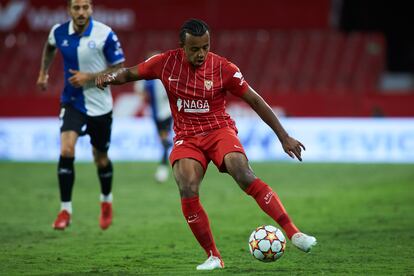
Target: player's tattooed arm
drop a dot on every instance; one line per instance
(119, 76)
(48, 54)
(290, 145)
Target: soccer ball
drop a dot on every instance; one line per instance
(267, 243)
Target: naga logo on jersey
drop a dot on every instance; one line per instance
(239, 76)
(208, 84)
(179, 104)
(193, 106)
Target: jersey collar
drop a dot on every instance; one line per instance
(88, 30)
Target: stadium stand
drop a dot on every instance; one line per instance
(308, 73)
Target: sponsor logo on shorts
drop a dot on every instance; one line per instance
(62, 113)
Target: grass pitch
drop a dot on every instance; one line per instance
(362, 215)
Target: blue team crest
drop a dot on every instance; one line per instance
(92, 44)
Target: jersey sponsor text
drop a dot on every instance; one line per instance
(193, 106)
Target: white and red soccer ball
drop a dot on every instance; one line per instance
(267, 243)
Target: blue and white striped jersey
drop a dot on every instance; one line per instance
(96, 49)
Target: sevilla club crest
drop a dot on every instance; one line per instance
(208, 84)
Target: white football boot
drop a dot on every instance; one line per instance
(303, 241)
(161, 175)
(211, 263)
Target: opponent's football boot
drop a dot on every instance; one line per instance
(105, 218)
(62, 221)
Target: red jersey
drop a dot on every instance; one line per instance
(196, 94)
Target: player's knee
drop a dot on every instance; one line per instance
(188, 188)
(188, 193)
(67, 151)
(101, 159)
(243, 177)
(102, 163)
(188, 184)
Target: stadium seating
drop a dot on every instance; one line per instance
(276, 63)
(272, 61)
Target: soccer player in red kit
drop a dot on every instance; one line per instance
(196, 81)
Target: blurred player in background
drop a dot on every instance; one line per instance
(88, 48)
(153, 91)
(196, 81)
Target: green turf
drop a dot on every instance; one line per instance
(362, 215)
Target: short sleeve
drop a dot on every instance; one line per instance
(152, 67)
(113, 50)
(51, 39)
(233, 80)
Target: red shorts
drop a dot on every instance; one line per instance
(210, 147)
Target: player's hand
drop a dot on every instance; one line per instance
(42, 81)
(78, 79)
(103, 80)
(293, 147)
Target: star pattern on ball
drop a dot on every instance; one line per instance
(267, 243)
(269, 254)
(271, 236)
(260, 227)
(254, 244)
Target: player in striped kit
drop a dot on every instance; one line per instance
(88, 47)
(196, 81)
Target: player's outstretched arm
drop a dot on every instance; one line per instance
(290, 145)
(48, 54)
(120, 76)
(79, 79)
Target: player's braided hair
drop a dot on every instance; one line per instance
(194, 27)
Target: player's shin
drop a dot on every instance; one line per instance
(270, 203)
(198, 221)
(105, 178)
(66, 177)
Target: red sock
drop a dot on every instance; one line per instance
(271, 205)
(197, 219)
